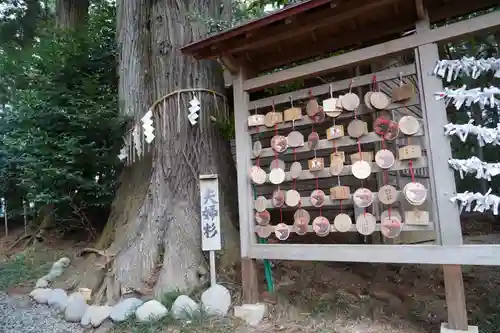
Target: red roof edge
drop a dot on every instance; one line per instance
(281, 14)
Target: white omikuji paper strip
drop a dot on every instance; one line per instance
(484, 135)
(484, 97)
(147, 126)
(474, 165)
(467, 66)
(481, 202)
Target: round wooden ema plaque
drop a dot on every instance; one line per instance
(263, 218)
(279, 143)
(276, 164)
(379, 100)
(386, 128)
(295, 170)
(300, 229)
(317, 198)
(336, 166)
(312, 107)
(258, 175)
(387, 194)
(361, 169)
(295, 139)
(350, 102)
(333, 114)
(263, 232)
(367, 97)
(260, 204)
(270, 119)
(313, 140)
(342, 222)
(321, 226)
(363, 197)
(386, 214)
(391, 227)
(356, 128)
(318, 117)
(278, 198)
(292, 198)
(415, 193)
(281, 231)
(366, 224)
(409, 125)
(384, 158)
(302, 216)
(257, 148)
(277, 176)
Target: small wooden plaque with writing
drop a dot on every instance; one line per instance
(403, 93)
(337, 155)
(410, 152)
(367, 156)
(335, 132)
(256, 120)
(292, 114)
(417, 217)
(316, 164)
(340, 192)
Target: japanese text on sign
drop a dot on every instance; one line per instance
(210, 216)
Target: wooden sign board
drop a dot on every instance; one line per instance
(210, 213)
(293, 114)
(316, 164)
(256, 120)
(340, 192)
(335, 132)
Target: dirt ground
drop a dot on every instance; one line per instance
(322, 297)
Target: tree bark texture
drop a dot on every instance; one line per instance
(156, 213)
(71, 14)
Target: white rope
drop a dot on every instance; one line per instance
(481, 202)
(484, 135)
(467, 66)
(484, 97)
(474, 165)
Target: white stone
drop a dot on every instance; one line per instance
(151, 310)
(58, 299)
(57, 269)
(41, 295)
(216, 300)
(445, 329)
(42, 283)
(100, 314)
(87, 315)
(184, 307)
(76, 308)
(125, 308)
(252, 314)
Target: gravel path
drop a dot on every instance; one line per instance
(18, 314)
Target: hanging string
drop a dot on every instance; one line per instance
(336, 150)
(411, 171)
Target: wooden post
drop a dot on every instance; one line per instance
(444, 212)
(245, 198)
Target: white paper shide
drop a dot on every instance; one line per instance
(210, 213)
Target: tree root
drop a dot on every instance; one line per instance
(29, 239)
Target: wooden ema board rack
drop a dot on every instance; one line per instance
(319, 161)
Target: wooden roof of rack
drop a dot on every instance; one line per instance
(317, 27)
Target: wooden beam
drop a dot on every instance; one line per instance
(405, 227)
(455, 297)
(328, 17)
(243, 153)
(481, 255)
(328, 144)
(345, 39)
(325, 173)
(474, 25)
(323, 89)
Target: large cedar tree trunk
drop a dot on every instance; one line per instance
(153, 233)
(71, 13)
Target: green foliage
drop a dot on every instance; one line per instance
(225, 127)
(20, 270)
(60, 123)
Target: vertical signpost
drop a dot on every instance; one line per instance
(210, 219)
(3, 213)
